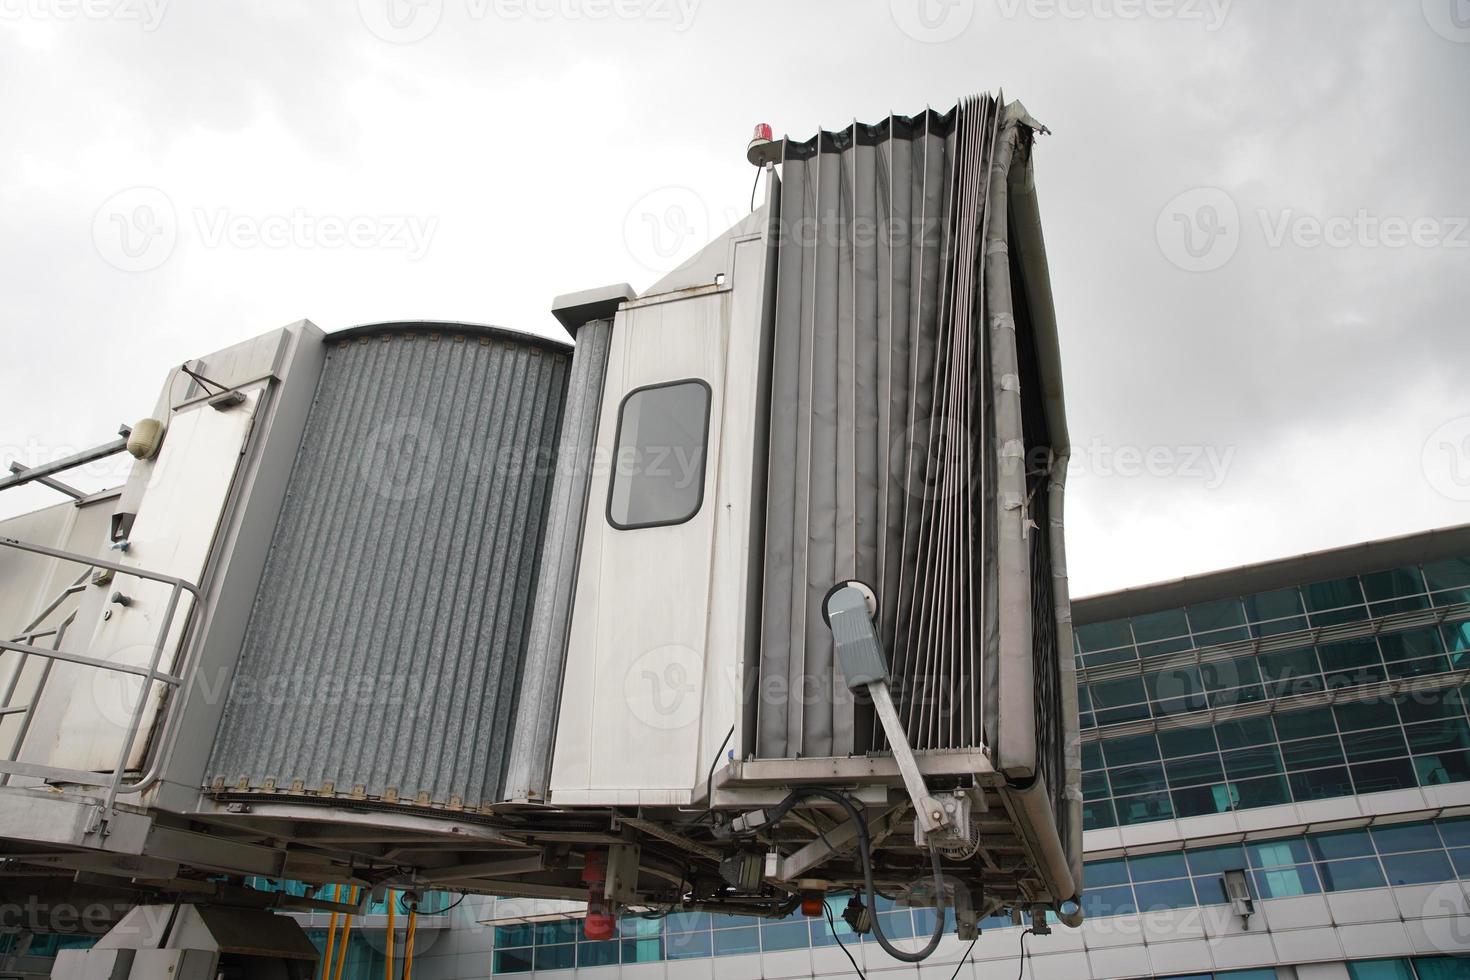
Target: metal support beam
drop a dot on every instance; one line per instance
(834, 842)
(35, 474)
(56, 485)
(487, 869)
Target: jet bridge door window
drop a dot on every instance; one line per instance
(659, 460)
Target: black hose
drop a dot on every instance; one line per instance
(864, 851)
(709, 782)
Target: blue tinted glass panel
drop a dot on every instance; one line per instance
(794, 935)
(686, 945)
(1165, 625)
(1131, 780)
(1143, 809)
(1193, 801)
(1271, 613)
(1341, 876)
(1342, 844)
(1176, 894)
(1223, 621)
(1377, 777)
(1360, 715)
(1102, 873)
(1442, 967)
(1381, 744)
(1397, 838)
(1092, 755)
(1098, 815)
(1270, 854)
(1456, 831)
(1191, 772)
(729, 942)
(1448, 574)
(1152, 867)
(562, 957)
(1213, 860)
(1443, 767)
(1380, 970)
(1417, 869)
(1098, 902)
(597, 954)
(1181, 742)
(1320, 784)
(513, 961)
(1133, 749)
(1305, 724)
(1312, 753)
(1286, 882)
(1266, 791)
(643, 950)
(686, 921)
(897, 925)
(517, 935)
(1245, 763)
(557, 931)
(1241, 732)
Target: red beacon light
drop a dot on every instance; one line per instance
(763, 148)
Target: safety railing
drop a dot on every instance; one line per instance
(115, 783)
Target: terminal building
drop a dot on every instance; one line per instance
(1277, 784)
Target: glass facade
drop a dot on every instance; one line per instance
(1357, 598)
(1411, 968)
(1269, 647)
(1346, 860)
(687, 935)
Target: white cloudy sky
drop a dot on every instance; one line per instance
(1261, 389)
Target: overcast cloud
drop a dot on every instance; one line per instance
(1256, 212)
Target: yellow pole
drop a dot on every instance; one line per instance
(413, 923)
(392, 901)
(331, 936)
(346, 932)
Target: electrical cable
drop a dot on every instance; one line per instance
(403, 904)
(865, 852)
(709, 781)
(1024, 955)
(754, 186)
(966, 955)
(832, 924)
(971, 948)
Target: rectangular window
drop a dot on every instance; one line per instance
(1380, 970)
(1342, 876)
(659, 460)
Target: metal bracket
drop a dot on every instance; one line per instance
(98, 821)
(849, 609)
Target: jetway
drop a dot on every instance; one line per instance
(441, 605)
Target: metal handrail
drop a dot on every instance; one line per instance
(150, 674)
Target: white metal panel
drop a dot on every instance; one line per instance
(84, 711)
(79, 529)
(637, 659)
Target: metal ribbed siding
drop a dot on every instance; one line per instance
(551, 621)
(384, 650)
